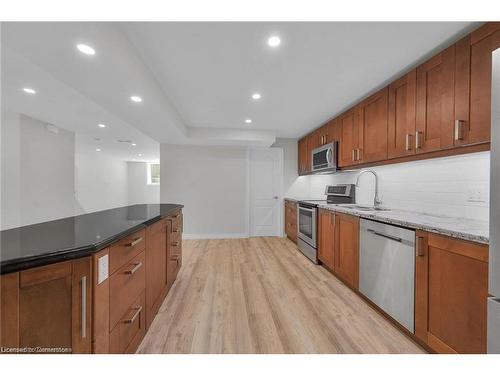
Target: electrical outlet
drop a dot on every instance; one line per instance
(102, 268)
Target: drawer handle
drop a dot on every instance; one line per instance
(176, 243)
(418, 140)
(175, 230)
(134, 242)
(459, 130)
(175, 257)
(134, 317)
(408, 142)
(175, 216)
(134, 269)
(420, 246)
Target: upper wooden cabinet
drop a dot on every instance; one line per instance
(435, 110)
(326, 238)
(372, 144)
(401, 117)
(48, 307)
(348, 125)
(304, 155)
(451, 290)
(482, 42)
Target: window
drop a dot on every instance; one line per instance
(153, 174)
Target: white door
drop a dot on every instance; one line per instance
(266, 178)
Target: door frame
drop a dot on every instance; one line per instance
(280, 153)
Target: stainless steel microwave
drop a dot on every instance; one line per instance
(324, 158)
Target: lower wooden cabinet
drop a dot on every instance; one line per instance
(48, 308)
(451, 290)
(326, 238)
(347, 249)
(291, 220)
(174, 247)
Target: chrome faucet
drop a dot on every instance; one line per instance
(376, 200)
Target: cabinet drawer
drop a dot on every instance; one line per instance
(176, 222)
(127, 248)
(131, 327)
(125, 285)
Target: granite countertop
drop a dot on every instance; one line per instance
(74, 237)
(461, 228)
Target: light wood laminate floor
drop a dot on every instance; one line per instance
(260, 295)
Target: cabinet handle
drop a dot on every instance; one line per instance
(418, 141)
(353, 154)
(134, 242)
(408, 142)
(420, 246)
(134, 317)
(134, 269)
(459, 130)
(358, 153)
(176, 243)
(175, 230)
(84, 306)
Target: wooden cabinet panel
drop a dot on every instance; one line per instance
(480, 83)
(332, 131)
(304, 155)
(347, 249)
(373, 128)
(291, 220)
(326, 238)
(156, 268)
(125, 285)
(174, 247)
(9, 310)
(451, 294)
(81, 315)
(349, 138)
(401, 116)
(100, 308)
(435, 102)
(127, 248)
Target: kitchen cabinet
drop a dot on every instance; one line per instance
(435, 102)
(451, 290)
(349, 138)
(291, 220)
(324, 135)
(174, 247)
(304, 162)
(326, 238)
(156, 265)
(372, 143)
(401, 116)
(482, 42)
(48, 307)
(346, 254)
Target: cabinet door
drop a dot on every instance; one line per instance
(332, 131)
(302, 150)
(307, 155)
(451, 294)
(401, 116)
(156, 266)
(326, 238)
(480, 83)
(373, 128)
(435, 103)
(54, 306)
(9, 310)
(347, 249)
(349, 137)
(316, 139)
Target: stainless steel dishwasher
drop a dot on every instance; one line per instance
(387, 269)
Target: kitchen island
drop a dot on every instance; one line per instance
(90, 283)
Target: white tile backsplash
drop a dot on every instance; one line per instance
(454, 186)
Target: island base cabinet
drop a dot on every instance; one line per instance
(50, 308)
(451, 294)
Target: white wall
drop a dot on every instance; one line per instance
(37, 171)
(212, 184)
(101, 182)
(138, 189)
(292, 185)
(453, 186)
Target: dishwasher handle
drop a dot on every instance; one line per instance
(394, 238)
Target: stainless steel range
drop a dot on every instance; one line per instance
(307, 217)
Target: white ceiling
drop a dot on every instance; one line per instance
(196, 78)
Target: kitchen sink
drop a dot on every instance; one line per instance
(363, 208)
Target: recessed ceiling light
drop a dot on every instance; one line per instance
(134, 144)
(83, 48)
(139, 154)
(248, 121)
(136, 99)
(29, 90)
(256, 96)
(274, 41)
(98, 149)
(101, 125)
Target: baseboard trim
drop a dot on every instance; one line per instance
(213, 236)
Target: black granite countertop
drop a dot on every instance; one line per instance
(74, 237)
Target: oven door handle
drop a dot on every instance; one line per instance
(306, 209)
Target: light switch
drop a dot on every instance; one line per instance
(102, 269)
